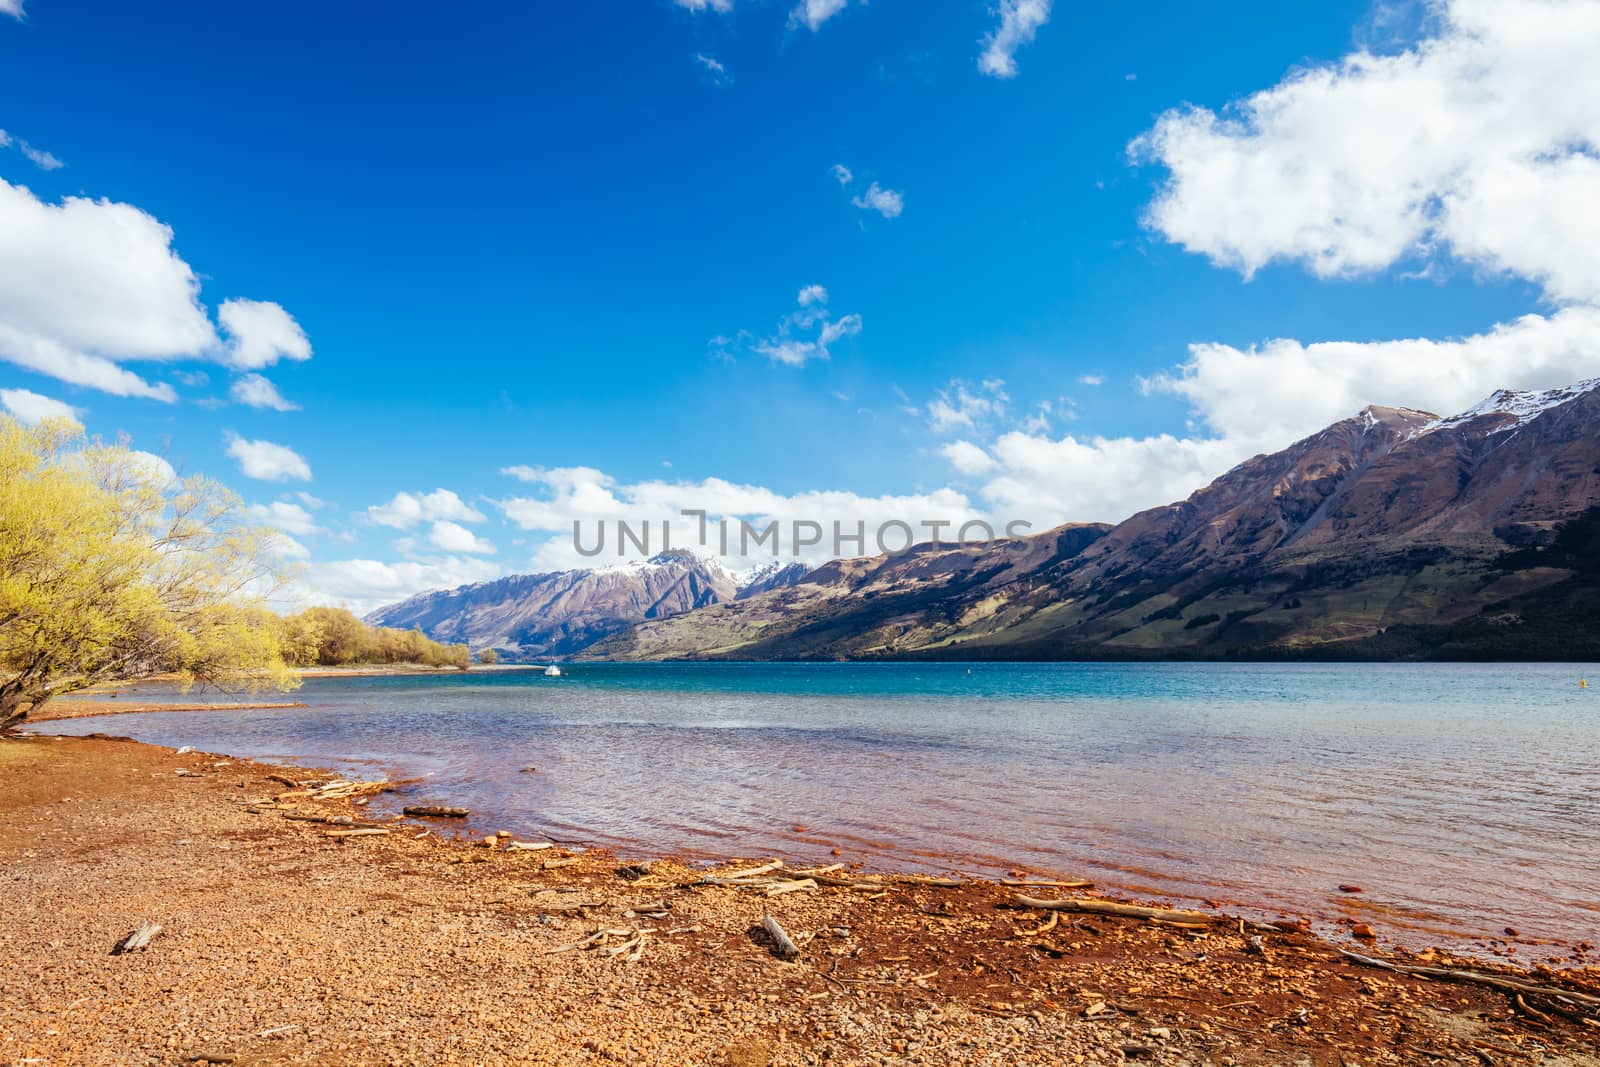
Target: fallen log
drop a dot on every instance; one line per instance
(1493, 981)
(783, 944)
(138, 939)
(429, 812)
(1108, 907)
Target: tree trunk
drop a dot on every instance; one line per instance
(14, 708)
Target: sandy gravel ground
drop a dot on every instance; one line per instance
(284, 945)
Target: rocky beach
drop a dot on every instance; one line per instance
(304, 921)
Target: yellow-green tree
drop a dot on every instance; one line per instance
(488, 657)
(111, 569)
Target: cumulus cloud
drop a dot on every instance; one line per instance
(88, 285)
(155, 467)
(261, 333)
(813, 13)
(453, 537)
(1277, 392)
(31, 408)
(968, 458)
(288, 517)
(1479, 142)
(267, 461)
(406, 510)
(84, 283)
(1019, 24)
(13, 8)
(364, 585)
(258, 392)
(566, 495)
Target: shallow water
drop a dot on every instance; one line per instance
(1463, 798)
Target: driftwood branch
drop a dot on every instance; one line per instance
(1108, 907)
(1493, 981)
(429, 812)
(138, 939)
(783, 944)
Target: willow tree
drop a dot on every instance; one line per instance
(112, 569)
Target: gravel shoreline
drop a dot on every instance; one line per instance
(292, 941)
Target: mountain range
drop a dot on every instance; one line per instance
(1393, 534)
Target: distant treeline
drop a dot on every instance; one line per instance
(333, 637)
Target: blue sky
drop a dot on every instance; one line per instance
(575, 239)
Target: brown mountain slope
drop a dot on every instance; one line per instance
(560, 613)
(1392, 520)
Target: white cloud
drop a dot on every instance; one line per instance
(405, 510)
(88, 285)
(156, 467)
(453, 537)
(282, 515)
(968, 458)
(813, 13)
(842, 174)
(1092, 380)
(258, 392)
(1019, 24)
(803, 335)
(723, 6)
(10, 7)
(1277, 392)
(1480, 141)
(1249, 401)
(40, 158)
(886, 202)
(308, 500)
(959, 406)
(716, 73)
(589, 496)
(261, 333)
(30, 407)
(364, 585)
(1099, 479)
(85, 283)
(267, 461)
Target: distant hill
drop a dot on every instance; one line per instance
(561, 613)
(1391, 534)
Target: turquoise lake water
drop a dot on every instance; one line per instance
(1462, 798)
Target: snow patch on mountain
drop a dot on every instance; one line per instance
(1518, 406)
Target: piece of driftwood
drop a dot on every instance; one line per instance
(369, 832)
(1108, 907)
(1493, 981)
(138, 939)
(736, 877)
(551, 865)
(931, 883)
(783, 944)
(780, 888)
(1018, 883)
(429, 812)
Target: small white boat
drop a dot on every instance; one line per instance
(552, 671)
